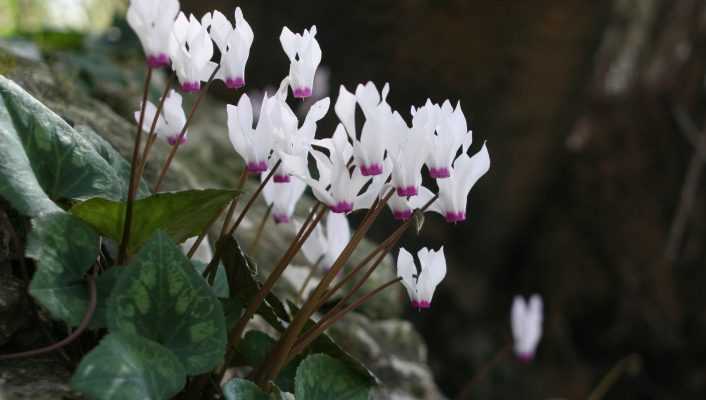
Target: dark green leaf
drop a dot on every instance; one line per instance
(181, 214)
(242, 280)
(162, 298)
(64, 248)
(253, 350)
(104, 285)
(232, 308)
(320, 377)
(241, 389)
(220, 283)
(42, 159)
(127, 367)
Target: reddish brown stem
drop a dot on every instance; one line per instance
(233, 204)
(122, 253)
(176, 145)
(73, 336)
(252, 250)
(252, 199)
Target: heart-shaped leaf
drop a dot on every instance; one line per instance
(241, 389)
(181, 214)
(126, 367)
(43, 160)
(161, 297)
(64, 248)
(320, 377)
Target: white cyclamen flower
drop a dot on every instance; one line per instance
(403, 207)
(153, 20)
(283, 198)
(253, 144)
(304, 56)
(290, 139)
(375, 136)
(410, 149)
(191, 50)
(526, 326)
(421, 285)
(451, 134)
(336, 186)
(170, 121)
(453, 191)
(327, 245)
(234, 44)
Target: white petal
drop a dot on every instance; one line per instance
(345, 110)
(407, 271)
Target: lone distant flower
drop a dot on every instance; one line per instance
(191, 50)
(304, 56)
(453, 191)
(376, 135)
(526, 321)
(234, 44)
(421, 285)
(253, 144)
(152, 21)
(283, 198)
(451, 135)
(327, 245)
(170, 121)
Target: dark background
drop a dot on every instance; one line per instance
(595, 194)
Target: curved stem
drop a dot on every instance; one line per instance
(122, 254)
(252, 199)
(260, 229)
(73, 336)
(632, 361)
(152, 137)
(234, 203)
(176, 145)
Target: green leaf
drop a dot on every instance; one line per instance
(241, 389)
(43, 160)
(162, 298)
(125, 366)
(104, 285)
(253, 350)
(320, 377)
(64, 249)
(232, 308)
(181, 214)
(220, 283)
(243, 283)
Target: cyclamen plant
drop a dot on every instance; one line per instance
(381, 166)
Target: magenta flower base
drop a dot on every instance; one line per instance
(281, 178)
(439, 173)
(455, 216)
(235, 83)
(172, 140)
(419, 305)
(158, 61)
(190, 87)
(256, 167)
(402, 215)
(281, 218)
(342, 207)
(371, 170)
(302, 92)
(525, 357)
(407, 191)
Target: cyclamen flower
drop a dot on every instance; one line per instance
(453, 191)
(153, 20)
(336, 186)
(403, 207)
(420, 286)
(234, 44)
(328, 245)
(253, 145)
(283, 198)
(375, 136)
(526, 322)
(410, 149)
(170, 121)
(191, 50)
(304, 56)
(451, 134)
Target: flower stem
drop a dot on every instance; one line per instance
(302, 236)
(122, 254)
(632, 362)
(326, 322)
(176, 145)
(152, 137)
(279, 355)
(312, 270)
(73, 336)
(204, 233)
(484, 370)
(260, 228)
(234, 203)
(252, 199)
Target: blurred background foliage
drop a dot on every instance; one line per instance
(592, 111)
